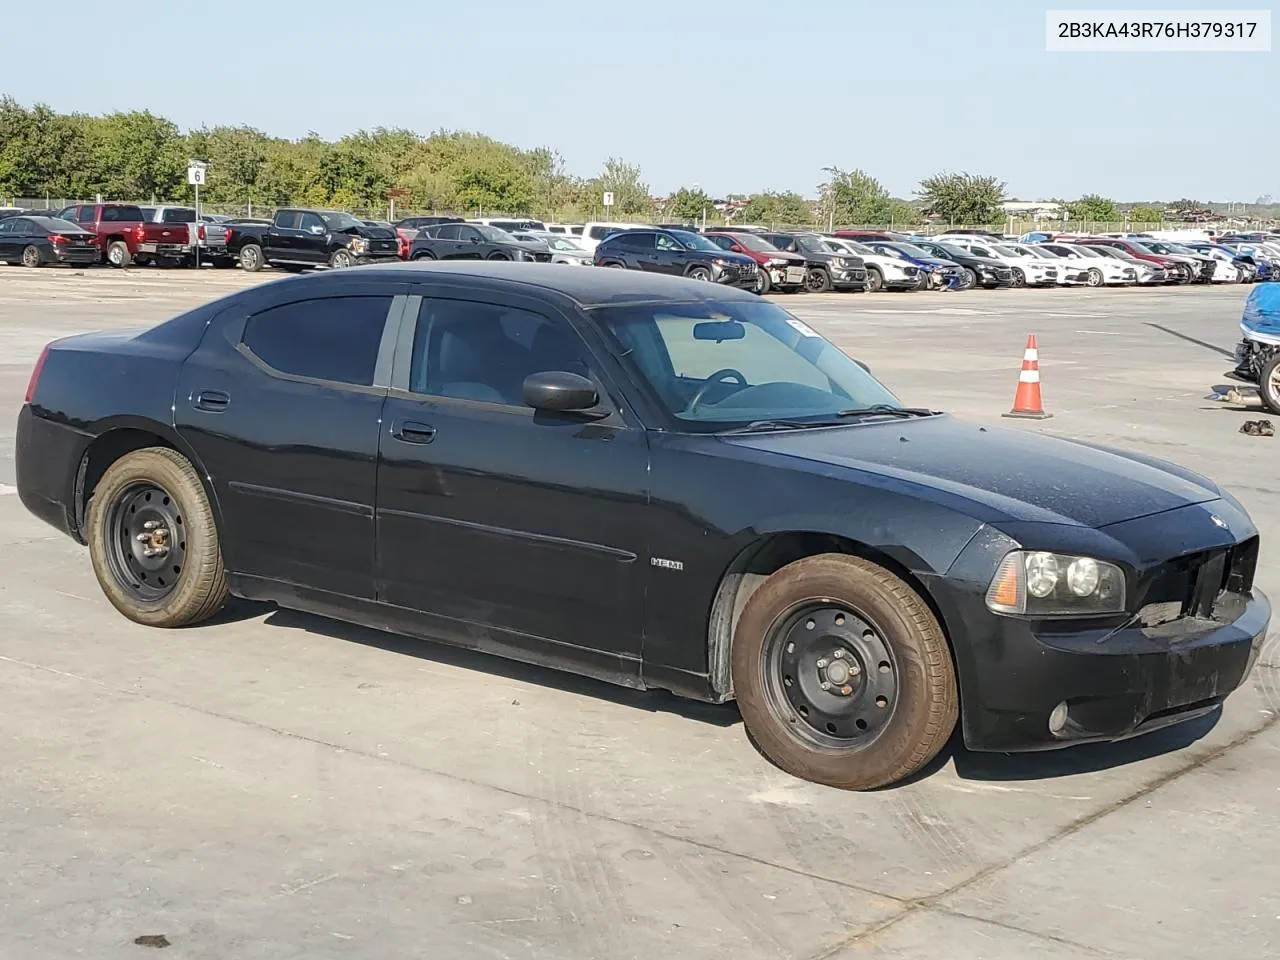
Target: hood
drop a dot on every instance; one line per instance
(997, 474)
(371, 233)
(739, 258)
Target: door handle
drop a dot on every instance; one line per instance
(214, 401)
(410, 431)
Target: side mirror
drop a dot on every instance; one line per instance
(475, 239)
(559, 391)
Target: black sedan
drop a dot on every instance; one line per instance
(40, 241)
(658, 482)
(474, 241)
(981, 271)
(679, 253)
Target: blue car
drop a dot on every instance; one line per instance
(938, 273)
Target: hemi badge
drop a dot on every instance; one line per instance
(666, 564)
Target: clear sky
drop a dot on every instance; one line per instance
(737, 95)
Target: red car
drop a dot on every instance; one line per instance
(779, 270)
(1177, 270)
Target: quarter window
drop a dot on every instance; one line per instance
(483, 351)
(334, 338)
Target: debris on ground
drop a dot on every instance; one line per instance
(1258, 428)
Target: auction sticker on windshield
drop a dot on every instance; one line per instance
(805, 331)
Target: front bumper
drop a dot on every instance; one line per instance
(792, 276)
(377, 258)
(1117, 679)
(850, 278)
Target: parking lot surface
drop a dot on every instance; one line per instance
(275, 785)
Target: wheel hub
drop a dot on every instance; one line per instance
(149, 541)
(832, 674)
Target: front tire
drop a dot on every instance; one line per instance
(340, 260)
(699, 273)
(1269, 384)
(875, 280)
(842, 673)
(972, 278)
(153, 540)
(1019, 278)
(1095, 277)
(31, 257)
(817, 280)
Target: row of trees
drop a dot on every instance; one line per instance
(138, 155)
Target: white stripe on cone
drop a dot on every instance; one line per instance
(1031, 354)
(1029, 376)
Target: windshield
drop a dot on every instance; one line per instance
(693, 241)
(911, 250)
(1085, 251)
(340, 221)
(493, 234)
(811, 243)
(952, 251)
(851, 246)
(717, 365)
(754, 243)
(560, 243)
(1003, 251)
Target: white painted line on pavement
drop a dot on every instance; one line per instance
(7, 488)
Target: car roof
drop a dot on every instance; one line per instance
(587, 288)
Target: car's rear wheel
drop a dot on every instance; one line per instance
(842, 673)
(340, 259)
(118, 253)
(1269, 384)
(153, 540)
(251, 257)
(424, 255)
(817, 280)
(31, 257)
(763, 284)
(875, 280)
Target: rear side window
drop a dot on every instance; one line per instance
(178, 215)
(121, 214)
(334, 338)
(288, 219)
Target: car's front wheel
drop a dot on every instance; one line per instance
(699, 273)
(1095, 277)
(875, 280)
(1019, 278)
(1269, 384)
(153, 540)
(341, 259)
(842, 673)
(817, 280)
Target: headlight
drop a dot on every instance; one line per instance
(357, 245)
(1039, 584)
(775, 262)
(720, 262)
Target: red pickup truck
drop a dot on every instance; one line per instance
(125, 234)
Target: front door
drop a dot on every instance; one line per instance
(517, 529)
(313, 239)
(281, 403)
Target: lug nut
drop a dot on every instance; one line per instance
(838, 654)
(846, 690)
(825, 685)
(854, 669)
(822, 663)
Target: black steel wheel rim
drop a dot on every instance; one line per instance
(830, 675)
(146, 541)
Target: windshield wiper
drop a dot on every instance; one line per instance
(760, 426)
(885, 410)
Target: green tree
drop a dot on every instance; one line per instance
(963, 197)
(141, 155)
(1093, 207)
(687, 206)
(1143, 213)
(237, 159)
(857, 197)
(780, 208)
(631, 196)
(904, 212)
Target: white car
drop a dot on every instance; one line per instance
(1148, 272)
(594, 232)
(1028, 271)
(1225, 270)
(1070, 273)
(1100, 270)
(883, 271)
(563, 249)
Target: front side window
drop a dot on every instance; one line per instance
(668, 244)
(717, 365)
(311, 220)
(332, 338)
(467, 350)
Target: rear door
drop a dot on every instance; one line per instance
(281, 403)
(446, 243)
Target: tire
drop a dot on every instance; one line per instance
(1019, 278)
(972, 277)
(251, 258)
(31, 257)
(1269, 384)
(198, 588)
(902, 677)
(817, 280)
(424, 255)
(118, 254)
(340, 260)
(699, 273)
(763, 284)
(223, 263)
(1095, 277)
(616, 265)
(498, 256)
(875, 280)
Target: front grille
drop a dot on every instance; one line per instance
(384, 245)
(1197, 582)
(541, 257)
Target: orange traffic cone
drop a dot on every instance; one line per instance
(1026, 402)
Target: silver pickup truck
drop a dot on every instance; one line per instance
(211, 238)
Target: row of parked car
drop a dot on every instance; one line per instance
(750, 257)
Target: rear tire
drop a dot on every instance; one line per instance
(118, 254)
(1269, 384)
(31, 257)
(762, 282)
(251, 258)
(187, 583)
(424, 255)
(902, 702)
